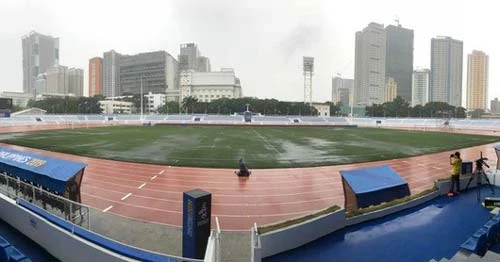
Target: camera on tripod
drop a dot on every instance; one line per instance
(480, 162)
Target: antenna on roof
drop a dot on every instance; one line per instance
(397, 21)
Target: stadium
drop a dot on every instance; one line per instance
(132, 193)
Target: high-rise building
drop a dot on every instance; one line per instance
(341, 90)
(495, 106)
(420, 87)
(95, 76)
(477, 80)
(399, 58)
(188, 57)
(111, 73)
(391, 89)
(39, 53)
(57, 80)
(75, 82)
(158, 71)
(203, 64)
(369, 73)
(446, 71)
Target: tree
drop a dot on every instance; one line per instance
(189, 102)
(477, 113)
(169, 108)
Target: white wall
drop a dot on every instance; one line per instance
(56, 241)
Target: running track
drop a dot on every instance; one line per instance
(153, 193)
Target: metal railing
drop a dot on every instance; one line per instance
(105, 224)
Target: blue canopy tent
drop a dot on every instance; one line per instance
(60, 176)
(371, 186)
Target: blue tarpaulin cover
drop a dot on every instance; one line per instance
(374, 185)
(42, 170)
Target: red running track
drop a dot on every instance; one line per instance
(154, 192)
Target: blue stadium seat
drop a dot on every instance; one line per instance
(14, 254)
(491, 228)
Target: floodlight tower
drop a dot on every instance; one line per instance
(308, 70)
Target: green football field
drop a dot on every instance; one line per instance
(261, 147)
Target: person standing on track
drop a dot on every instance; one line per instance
(456, 165)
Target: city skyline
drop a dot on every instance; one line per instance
(264, 49)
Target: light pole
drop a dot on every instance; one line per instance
(142, 97)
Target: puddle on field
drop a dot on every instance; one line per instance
(7, 136)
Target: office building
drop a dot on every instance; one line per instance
(154, 102)
(188, 57)
(477, 80)
(39, 53)
(75, 82)
(446, 71)
(420, 87)
(95, 76)
(155, 71)
(18, 99)
(208, 86)
(369, 72)
(399, 59)
(341, 90)
(111, 74)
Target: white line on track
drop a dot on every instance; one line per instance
(108, 208)
(161, 172)
(127, 195)
(153, 177)
(141, 186)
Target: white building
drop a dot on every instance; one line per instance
(342, 90)
(208, 86)
(116, 107)
(154, 102)
(57, 79)
(420, 87)
(323, 109)
(369, 69)
(18, 99)
(75, 81)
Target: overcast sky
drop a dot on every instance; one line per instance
(263, 40)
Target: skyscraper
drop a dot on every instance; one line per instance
(369, 73)
(420, 87)
(341, 90)
(75, 82)
(188, 57)
(95, 76)
(111, 73)
(39, 53)
(446, 71)
(477, 80)
(399, 58)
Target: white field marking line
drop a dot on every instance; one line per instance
(265, 141)
(107, 209)
(161, 172)
(141, 186)
(127, 195)
(153, 178)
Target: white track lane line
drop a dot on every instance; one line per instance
(127, 195)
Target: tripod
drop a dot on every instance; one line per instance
(480, 174)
